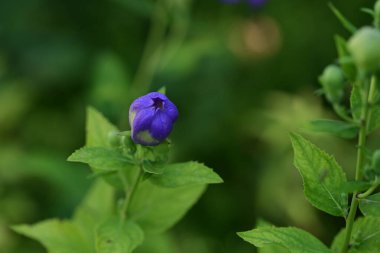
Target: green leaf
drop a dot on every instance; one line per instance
(57, 236)
(97, 129)
(270, 248)
(293, 239)
(374, 123)
(322, 177)
(365, 237)
(356, 102)
(335, 127)
(102, 159)
(156, 209)
(96, 207)
(185, 174)
(370, 206)
(114, 236)
(343, 20)
(348, 68)
(355, 186)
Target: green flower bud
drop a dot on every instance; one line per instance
(376, 9)
(332, 81)
(364, 46)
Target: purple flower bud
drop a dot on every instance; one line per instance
(151, 118)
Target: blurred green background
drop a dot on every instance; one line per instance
(241, 77)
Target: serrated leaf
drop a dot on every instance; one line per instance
(293, 239)
(356, 102)
(365, 237)
(57, 236)
(348, 68)
(335, 127)
(343, 20)
(185, 174)
(101, 159)
(97, 129)
(115, 236)
(95, 208)
(322, 177)
(370, 206)
(156, 209)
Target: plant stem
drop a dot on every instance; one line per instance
(129, 193)
(360, 162)
(368, 192)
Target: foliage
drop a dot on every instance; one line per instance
(153, 202)
(325, 183)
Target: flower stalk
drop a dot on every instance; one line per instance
(360, 162)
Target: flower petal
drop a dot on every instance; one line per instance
(161, 126)
(171, 110)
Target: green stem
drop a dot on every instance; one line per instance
(365, 118)
(368, 192)
(129, 193)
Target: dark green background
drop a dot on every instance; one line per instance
(236, 107)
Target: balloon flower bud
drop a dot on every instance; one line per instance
(332, 81)
(151, 118)
(364, 46)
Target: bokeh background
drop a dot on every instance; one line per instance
(242, 78)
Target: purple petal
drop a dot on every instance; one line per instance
(141, 103)
(143, 120)
(161, 126)
(171, 110)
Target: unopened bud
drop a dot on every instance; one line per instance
(364, 46)
(332, 81)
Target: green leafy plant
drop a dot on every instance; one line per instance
(136, 194)
(325, 184)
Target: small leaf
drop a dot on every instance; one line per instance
(356, 102)
(355, 186)
(370, 206)
(322, 177)
(293, 239)
(101, 159)
(335, 127)
(343, 20)
(365, 237)
(97, 129)
(57, 236)
(184, 174)
(156, 209)
(114, 236)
